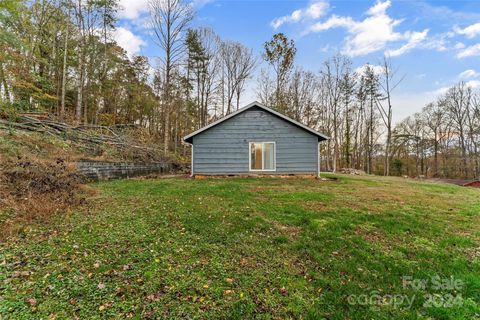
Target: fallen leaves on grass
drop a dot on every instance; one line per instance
(32, 301)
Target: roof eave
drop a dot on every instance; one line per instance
(321, 137)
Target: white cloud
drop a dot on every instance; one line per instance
(439, 42)
(379, 8)
(438, 12)
(197, 4)
(315, 10)
(470, 31)
(474, 84)
(438, 92)
(373, 33)
(377, 69)
(128, 41)
(470, 73)
(469, 51)
(414, 39)
(333, 22)
(278, 22)
(132, 9)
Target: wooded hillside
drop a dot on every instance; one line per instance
(59, 56)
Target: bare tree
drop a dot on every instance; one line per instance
(89, 16)
(434, 118)
(372, 94)
(302, 96)
(265, 88)
(348, 94)
(333, 74)
(169, 20)
(64, 75)
(388, 84)
(458, 100)
(80, 19)
(203, 66)
(474, 130)
(238, 66)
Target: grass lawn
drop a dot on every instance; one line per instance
(252, 248)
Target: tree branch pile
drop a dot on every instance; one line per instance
(127, 139)
(32, 190)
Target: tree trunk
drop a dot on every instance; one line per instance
(78, 108)
(347, 136)
(64, 77)
(4, 83)
(370, 148)
(435, 155)
(386, 170)
(166, 127)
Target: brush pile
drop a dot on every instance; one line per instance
(32, 190)
(129, 142)
(352, 171)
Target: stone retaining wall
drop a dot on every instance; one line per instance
(95, 171)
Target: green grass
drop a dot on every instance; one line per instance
(250, 248)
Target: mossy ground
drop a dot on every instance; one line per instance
(250, 248)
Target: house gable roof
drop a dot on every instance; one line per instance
(321, 137)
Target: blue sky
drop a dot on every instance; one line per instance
(433, 44)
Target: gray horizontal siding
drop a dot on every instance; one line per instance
(224, 148)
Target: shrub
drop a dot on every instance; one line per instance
(32, 190)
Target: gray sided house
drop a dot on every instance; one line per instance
(255, 140)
